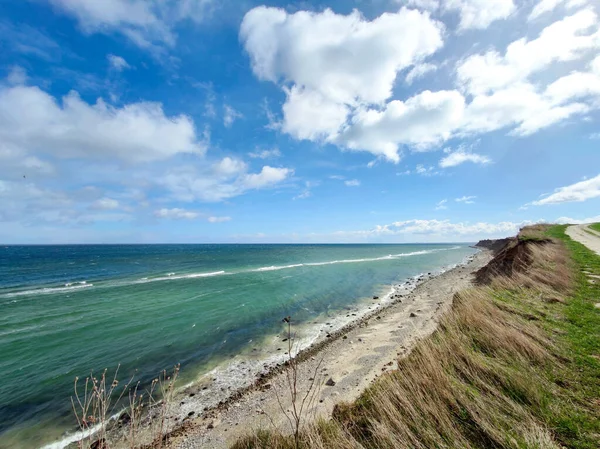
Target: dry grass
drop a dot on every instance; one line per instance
(484, 379)
(110, 413)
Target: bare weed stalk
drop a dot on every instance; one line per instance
(98, 409)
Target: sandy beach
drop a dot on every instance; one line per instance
(352, 357)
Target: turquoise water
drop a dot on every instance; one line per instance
(66, 310)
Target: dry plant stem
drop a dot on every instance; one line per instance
(298, 401)
(97, 403)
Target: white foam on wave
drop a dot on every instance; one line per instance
(172, 277)
(80, 435)
(47, 290)
(372, 259)
(275, 268)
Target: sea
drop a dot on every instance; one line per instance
(70, 310)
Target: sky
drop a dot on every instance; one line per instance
(242, 121)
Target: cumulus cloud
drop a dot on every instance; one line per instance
(461, 156)
(335, 64)
(352, 183)
(147, 23)
(519, 105)
(430, 5)
(564, 40)
(423, 120)
(479, 14)
(431, 231)
(578, 192)
(118, 63)
(338, 74)
(32, 120)
(546, 6)
(222, 180)
(568, 220)
(419, 71)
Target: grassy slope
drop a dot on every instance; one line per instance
(514, 364)
(595, 227)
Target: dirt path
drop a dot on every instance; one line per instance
(352, 360)
(586, 236)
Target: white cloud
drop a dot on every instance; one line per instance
(578, 192)
(419, 71)
(430, 5)
(267, 176)
(265, 154)
(218, 219)
(565, 40)
(105, 204)
(461, 156)
(545, 6)
(16, 76)
(423, 120)
(222, 180)
(176, 214)
(519, 105)
(338, 92)
(568, 220)
(420, 169)
(184, 214)
(230, 115)
(352, 183)
(431, 231)
(118, 63)
(576, 85)
(147, 23)
(335, 64)
(479, 14)
(306, 192)
(32, 120)
(308, 114)
(441, 205)
(465, 199)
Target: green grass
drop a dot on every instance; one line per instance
(580, 320)
(595, 227)
(513, 365)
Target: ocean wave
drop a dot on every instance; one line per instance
(173, 277)
(333, 262)
(48, 290)
(275, 268)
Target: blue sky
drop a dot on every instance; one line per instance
(344, 121)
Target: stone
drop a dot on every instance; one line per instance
(330, 382)
(413, 315)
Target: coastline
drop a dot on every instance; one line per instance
(353, 355)
(236, 395)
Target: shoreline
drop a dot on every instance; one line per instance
(254, 406)
(212, 393)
